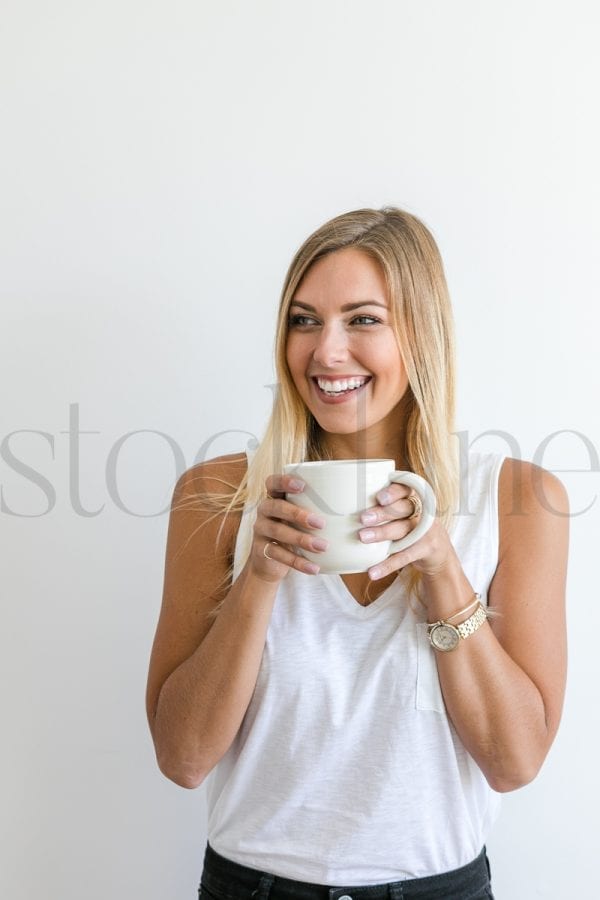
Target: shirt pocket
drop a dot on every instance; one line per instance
(429, 692)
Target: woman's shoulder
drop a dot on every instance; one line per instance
(526, 488)
(204, 514)
(218, 476)
(203, 504)
(533, 513)
(521, 484)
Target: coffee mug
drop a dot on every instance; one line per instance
(339, 490)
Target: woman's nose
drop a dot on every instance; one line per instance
(331, 347)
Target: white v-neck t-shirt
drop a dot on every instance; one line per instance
(346, 768)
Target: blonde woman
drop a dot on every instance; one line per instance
(347, 754)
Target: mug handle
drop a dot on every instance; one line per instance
(425, 492)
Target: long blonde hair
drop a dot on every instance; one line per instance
(422, 318)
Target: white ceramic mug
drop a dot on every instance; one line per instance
(339, 490)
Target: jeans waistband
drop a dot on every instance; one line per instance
(228, 880)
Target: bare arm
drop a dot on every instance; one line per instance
(504, 685)
(203, 668)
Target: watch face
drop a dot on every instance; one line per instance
(444, 637)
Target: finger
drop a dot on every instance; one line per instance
(392, 531)
(279, 485)
(399, 509)
(277, 553)
(273, 508)
(275, 530)
(399, 560)
(392, 493)
(393, 563)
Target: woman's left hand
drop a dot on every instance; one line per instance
(390, 521)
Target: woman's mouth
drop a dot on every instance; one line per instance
(337, 389)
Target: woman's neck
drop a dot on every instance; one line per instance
(385, 439)
(378, 442)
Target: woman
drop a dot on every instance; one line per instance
(347, 748)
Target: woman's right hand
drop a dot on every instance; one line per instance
(278, 531)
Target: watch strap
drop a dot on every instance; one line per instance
(470, 625)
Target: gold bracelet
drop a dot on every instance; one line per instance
(476, 599)
(474, 602)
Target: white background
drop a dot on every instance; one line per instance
(159, 164)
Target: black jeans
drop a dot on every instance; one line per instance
(223, 879)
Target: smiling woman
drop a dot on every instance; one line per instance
(358, 728)
(343, 354)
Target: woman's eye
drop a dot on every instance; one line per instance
(365, 320)
(300, 320)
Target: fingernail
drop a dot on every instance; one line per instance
(311, 568)
(368, 518)
(319, 544)
(315, 521)
(384, 497)
(296, 484)
(375, 573)
(367, 534)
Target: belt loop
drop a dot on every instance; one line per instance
(396, 891)
(263, 890)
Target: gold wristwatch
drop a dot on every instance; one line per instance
(446, 637)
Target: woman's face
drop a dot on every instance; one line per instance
(341, 350)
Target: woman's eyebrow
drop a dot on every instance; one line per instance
(347, 307)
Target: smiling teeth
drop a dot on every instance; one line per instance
(339, 387)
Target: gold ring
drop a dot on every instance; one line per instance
(265, 554)
(416, 504)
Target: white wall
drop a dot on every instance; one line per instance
(160, 162)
